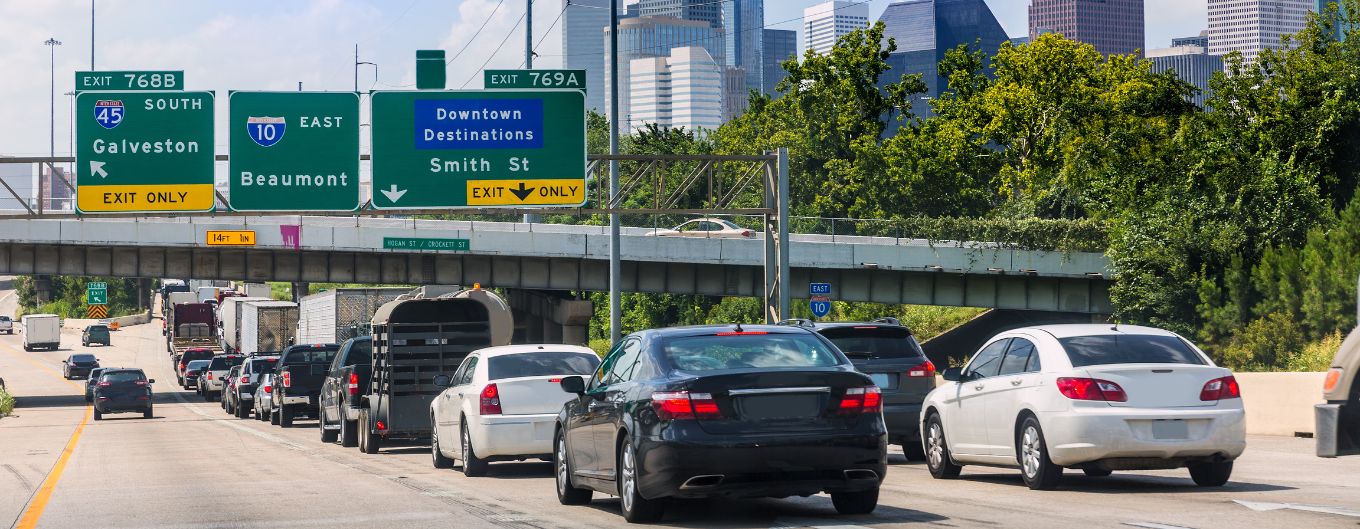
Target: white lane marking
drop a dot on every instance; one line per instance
(348, 521)
(1260, 506)
(811, 523)
(1153, 525)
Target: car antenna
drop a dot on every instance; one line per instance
(738, 327)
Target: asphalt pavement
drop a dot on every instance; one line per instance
(194, 466)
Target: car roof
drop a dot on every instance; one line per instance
(707, 330)
(859, 324)
(1092, 329)
(532, 348)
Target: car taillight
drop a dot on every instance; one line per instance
(105, 384)
(746, 233)
(182, 365)
(1220, 389)
(491, 400)
(1333, 376)
(140, 382)
(861, 400)
(287, 379)
(683, 405)
(268, 389)
(243, 380)
(382, 427)
(923, 370)
(1091, 389)
(353, 384)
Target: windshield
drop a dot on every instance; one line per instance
(747, 351)
(1128, 349)
(541, 364)
(874, 341)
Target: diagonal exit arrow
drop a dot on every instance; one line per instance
(393, 194)
(97, 168)
(522, 192)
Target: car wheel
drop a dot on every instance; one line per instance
(1096, 472)
(327, 436)
(472, 465)
(636, 509)
(369, 442)
(146, 414)
(1038, 470)
(862, 502)
(97, 415)
(349, 435)
(242, 412)
(1211, 474)
(567, 494)
(436, 456)
(274, 417)
(937, 456)
(914, 450)
(286, 416)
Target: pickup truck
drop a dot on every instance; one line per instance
(299, 374)
(342, 395)
(1338, 421)
(6, 324)
(242, 399)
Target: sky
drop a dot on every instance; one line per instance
(276, 44)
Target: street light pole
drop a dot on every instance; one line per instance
(52, 123)
(615, 264)
(92, 35)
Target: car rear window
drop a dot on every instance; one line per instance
(311, 355)
(1128, 349)
(360, 352)
(541, 364)
(747, 351)
(98, 328)
(874, 341)
(225, 362)
(261, 366)
(82, 358)
(196, 364)
(122, 376)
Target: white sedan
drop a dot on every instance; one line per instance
(502, 403)
(707, 228)
(1096, 397)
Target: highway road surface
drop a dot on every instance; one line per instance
(194, 466)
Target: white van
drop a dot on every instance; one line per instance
(41, 331)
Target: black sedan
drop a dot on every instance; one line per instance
(122, 391)
(78, 365)
(737, 411)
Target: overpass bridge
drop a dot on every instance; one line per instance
(555, 257)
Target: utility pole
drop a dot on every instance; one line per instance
(52, 124)
(529, 218)
(615, 264)
(91, 36)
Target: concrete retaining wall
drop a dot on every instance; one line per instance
(1280, 403)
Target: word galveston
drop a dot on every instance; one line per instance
(165, 146)
(456, 124)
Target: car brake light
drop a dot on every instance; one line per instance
(105, 384)
(861, 400)
(243, 380)
(268, 389)
(287, 379)
(491, 400)
(1091, 389)
(554, 380)
(683, 405)
(353, 384)
(1220, 389)
(382, 427)
(922, 370)
(741, 333)
(140, 382)
(1333, 376)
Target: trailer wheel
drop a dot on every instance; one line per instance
(369, 442)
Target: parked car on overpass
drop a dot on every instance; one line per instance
(707, 228)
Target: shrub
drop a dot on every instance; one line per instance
(6, 403)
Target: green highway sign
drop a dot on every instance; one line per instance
(416, 243)
(96, 293)
(451, 149)
(144, 152)
(575, 79)
(130, 80)
(293, 151)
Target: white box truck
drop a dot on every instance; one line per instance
(254, 290)
(229, 313)
(266, 326)
(41, 331)
(207, 293)
(337, 315)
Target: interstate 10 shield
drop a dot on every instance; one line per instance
(266, 131)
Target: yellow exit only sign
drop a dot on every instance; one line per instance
(231, 238)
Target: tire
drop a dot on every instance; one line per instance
(938, 459)
(369, 442)
(862, 502)
(1096, 472)
(242, 412)
(349, 434)
(327, 436)
(567, 494)
(1211, 474)
(438, 458)
(286, 416)
(97, 415)
(636, 509)
(1036, 468)
(473, 467)
(274, 417)
(914, 450)
(146, 414)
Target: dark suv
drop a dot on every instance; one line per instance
(885, 350)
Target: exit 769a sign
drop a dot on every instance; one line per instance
(144, 152)
(478, 149)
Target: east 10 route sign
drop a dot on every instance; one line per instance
(144, 152)
(293, 151)
(481, 149)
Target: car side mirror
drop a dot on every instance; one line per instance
(442, 381)
(152, 381)
(953, 374)
(573, 384)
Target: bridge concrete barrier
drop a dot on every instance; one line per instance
(1280, 403)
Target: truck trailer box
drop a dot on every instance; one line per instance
(41, 331)
(229, 311)
(337, 315)
(266, 326)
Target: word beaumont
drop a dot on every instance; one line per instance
(294, 180)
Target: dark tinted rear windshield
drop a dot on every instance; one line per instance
(196, 364)
(874, 342)
(541, 365)
(261, 366)
(226, 362)
(1128, 349)
(360, 352)
(82, 358)
(122, 376)
(747, 351)
(311, 355)
(98, 328)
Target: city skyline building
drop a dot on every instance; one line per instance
(710, 11)
(1112, 26)
(1189, 57)
(655, 36)
(780, 44)
(1249, 26)
(826, 22)
(582, 47)
(743, 21)
(924, 30)
(680, 90)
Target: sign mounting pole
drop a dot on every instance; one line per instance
(529, 218)
(615, 265)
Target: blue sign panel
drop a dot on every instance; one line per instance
(479, 124)
(819, 289)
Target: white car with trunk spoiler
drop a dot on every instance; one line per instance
(1096, 397)
(502, 404)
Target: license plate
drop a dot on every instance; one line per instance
(777, 407)
(882, 380)
(1170, 429)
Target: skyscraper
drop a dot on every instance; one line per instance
(828, 21)
(1189, 57)
(1249, 26)
(656, 36)
(780, 44)
(681, 89)
(742, 21)
(710, 11)
(1112, 26)
(582, 48)
(924, 30)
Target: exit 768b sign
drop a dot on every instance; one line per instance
(144, 152)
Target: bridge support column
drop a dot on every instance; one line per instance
(42, 289)
(301, 290)
(548, 317)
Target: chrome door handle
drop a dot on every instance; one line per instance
(1016, 382)
(979, 387)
